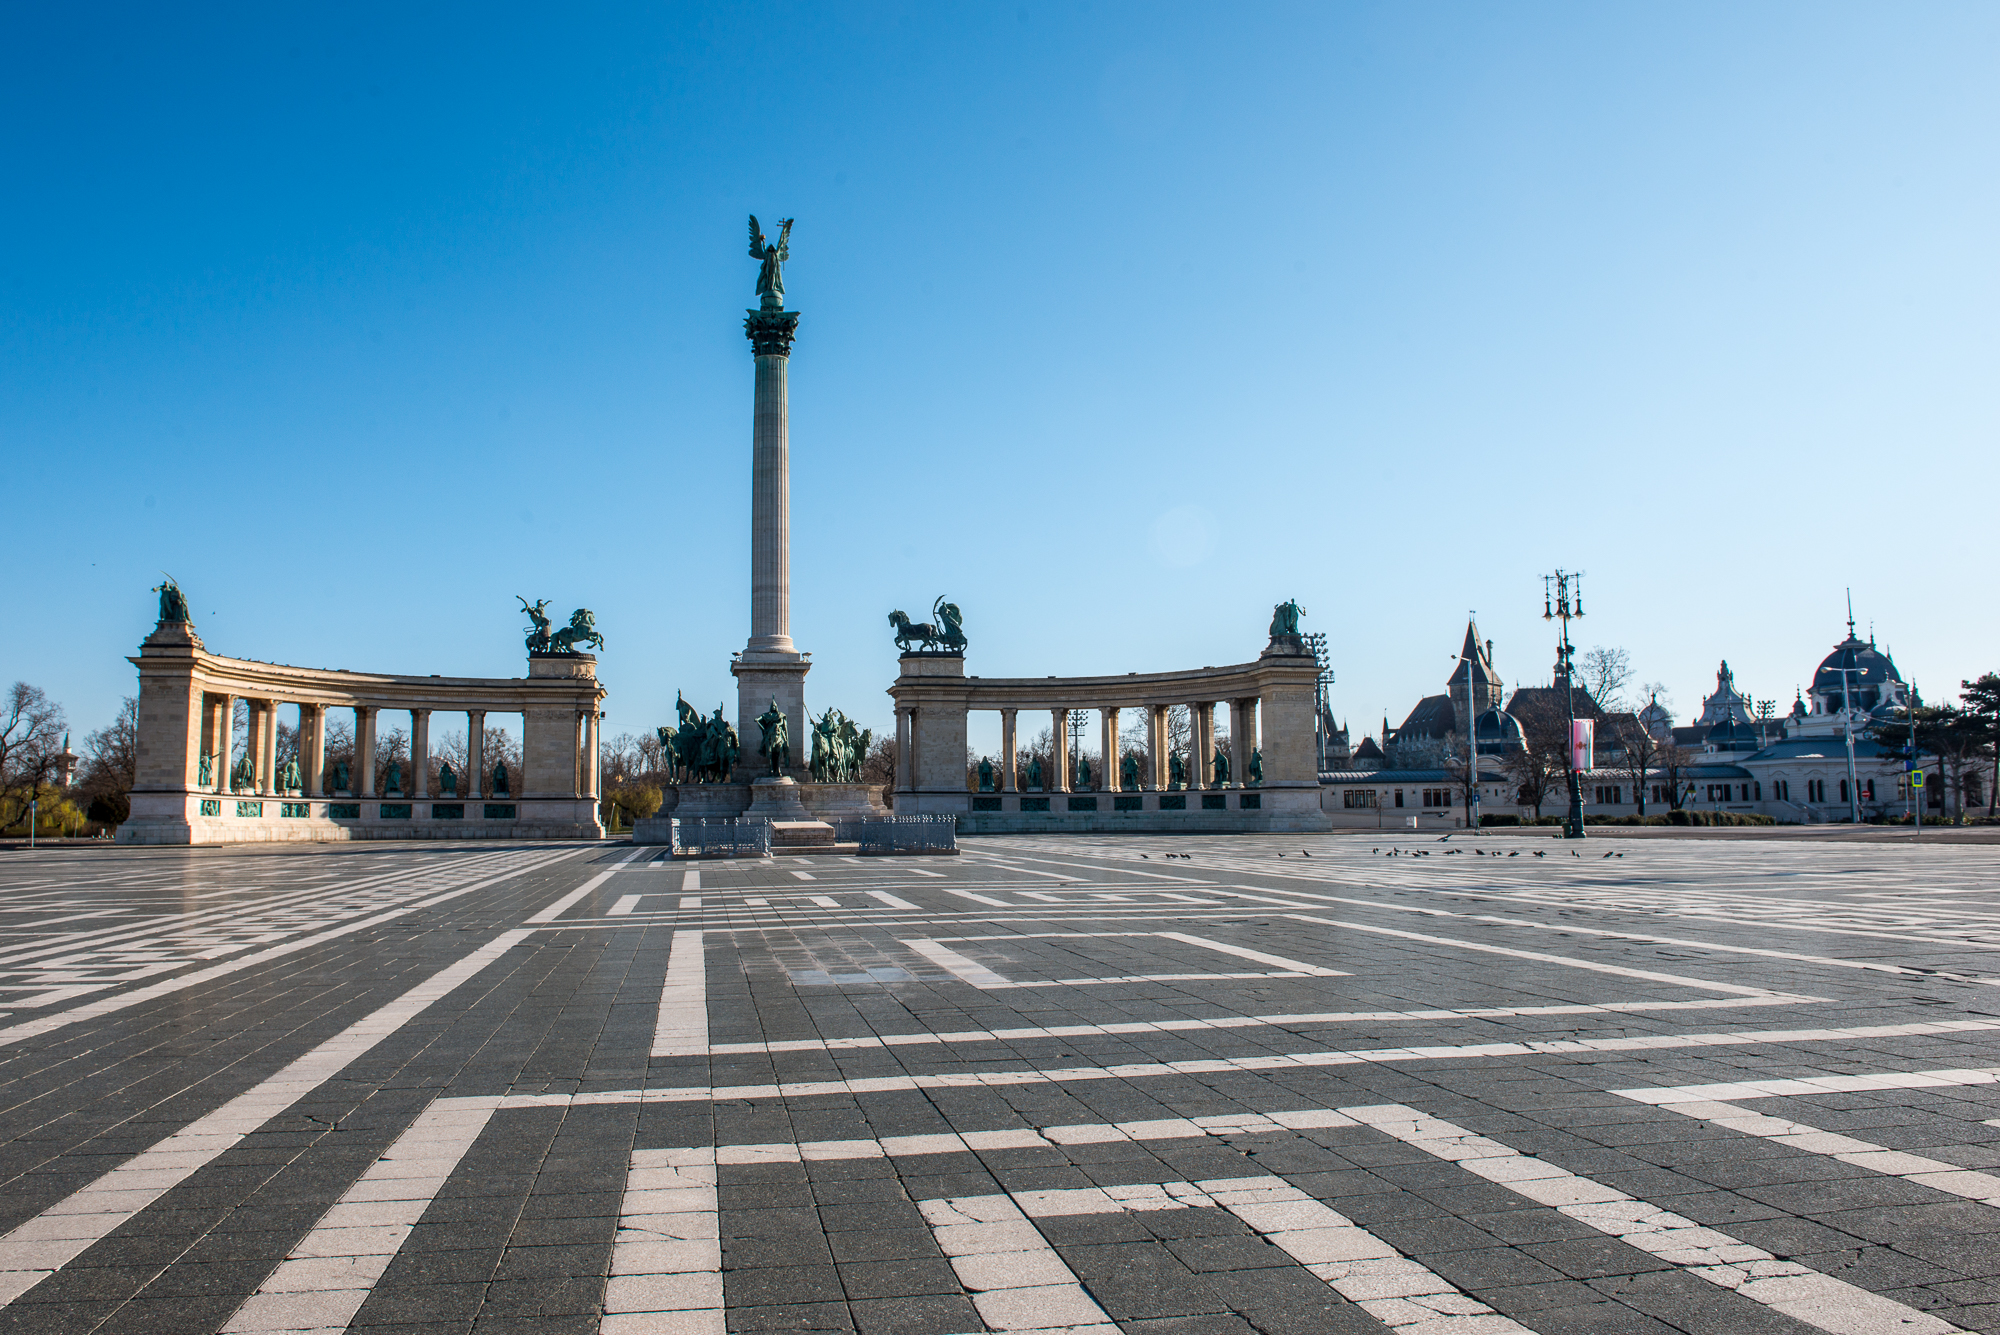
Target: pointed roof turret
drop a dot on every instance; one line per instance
(1480, 653)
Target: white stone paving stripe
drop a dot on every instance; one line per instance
(682, 1029)
(961, 968)
(1223, 1066)
(1243, 952)
(1402, 1294)
(1830, 1083)
(1237, 1022)
(124, 1000)
(1783, 1286)
(885, 897)
(1016, 1280)
(1542, 957)
(666, 1264)
(625, 904)
(987, 900)
(326, 1277)
(691, 881)
(561, 906)
(1917, 1168)
(58, 1235)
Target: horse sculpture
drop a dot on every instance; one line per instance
(582, 629)
(946, 634)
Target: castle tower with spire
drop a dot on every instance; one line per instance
(1487, 690)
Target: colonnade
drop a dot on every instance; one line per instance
(1157, 776)
(218, 737)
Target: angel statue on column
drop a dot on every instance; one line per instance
(771, 278)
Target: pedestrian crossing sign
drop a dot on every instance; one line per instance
(1917, 779)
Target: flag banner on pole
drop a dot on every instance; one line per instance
(1582, 744)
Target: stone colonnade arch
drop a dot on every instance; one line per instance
(933, 696)
(186, 794)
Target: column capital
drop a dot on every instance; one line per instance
(771, 332)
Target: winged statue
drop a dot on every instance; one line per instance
(771, 279)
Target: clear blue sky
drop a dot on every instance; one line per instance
(1122, 323)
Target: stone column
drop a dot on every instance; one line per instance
(592, 760)
(1057, 779)
(770, 665)
(1242, 739)
(263, 744)
(1009, 781)
(1108, 719)
(1202, 717)
(222, 726)
(420, 751)
(312, 745)
(1239, 746)
(906, 732)
(1156, 745)
(363, 778)
(475, 753)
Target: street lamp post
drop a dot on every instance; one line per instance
(1079, 720)
(1560, 604)
(1316, 642)
(1847, 726)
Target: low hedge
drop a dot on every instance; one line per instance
(1666, 818)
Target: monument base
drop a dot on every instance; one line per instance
(843, 801)
(776, 799)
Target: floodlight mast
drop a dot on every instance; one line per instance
(1562, 599)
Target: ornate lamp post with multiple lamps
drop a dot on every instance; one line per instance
(1562, 599)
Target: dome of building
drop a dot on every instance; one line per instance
(1496, 730)
(1872, 674)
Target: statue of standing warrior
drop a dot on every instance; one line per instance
(173, 603)
(1285, 618)
(777, 743)
(1128, 772)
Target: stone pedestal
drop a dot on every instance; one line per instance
(776, 799)
(761, 677)
(843, 801)
(709, 801)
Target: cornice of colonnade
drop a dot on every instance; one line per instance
(555, 681)
(931, 677)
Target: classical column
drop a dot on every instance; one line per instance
(1058, 779)
(263, 744)
(591, 759)
(222, 728)
(1242, 739)
(1239, 746)
(312, 747)
(905, 762)
(1203, 719)
(475, 753)
(1156, 745)
(420, 751)
(770, 665)
(1008, 780)
(1109, 728)
(363, 780)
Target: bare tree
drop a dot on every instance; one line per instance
(111, 766)
(1639, 751)
(31, 737)
(878, 767)
(1541, 764)
(1673, 761)
(1603, 673)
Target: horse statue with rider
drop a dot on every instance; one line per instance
(582, 629)
(945, 634)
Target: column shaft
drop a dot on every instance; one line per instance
(364, 751)
(1009, 782)
(906, 768)
(1239, 744)
(263, 744)
(1059, 760)
(592, 760)
(225, 742)
(1204, 745)
(771, 510)
(312, 742)
(1108, 720)
(475, 753)
(420, 751)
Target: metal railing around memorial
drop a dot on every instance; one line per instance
(899, 834)
(721, 837)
